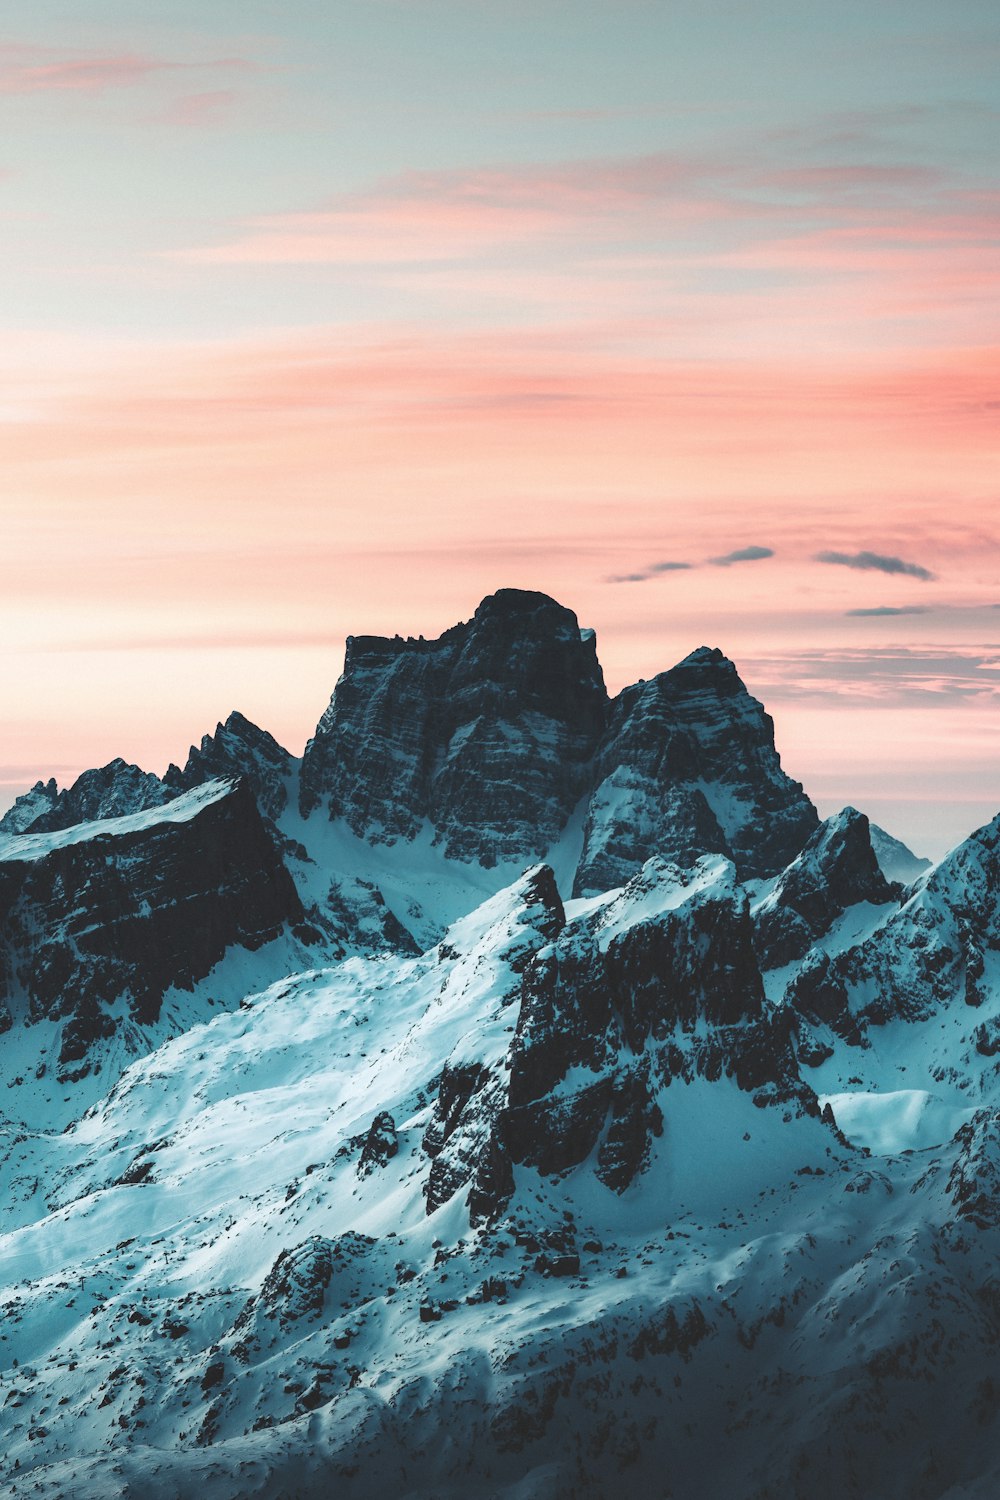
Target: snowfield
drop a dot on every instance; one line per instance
(523, 1097)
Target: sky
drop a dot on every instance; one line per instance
(330, 320)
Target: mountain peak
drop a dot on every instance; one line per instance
(706, 656)
(239, 748)
(689, 767)
(109, 791)
(486, 733)
(518, 602)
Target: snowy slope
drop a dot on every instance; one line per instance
(212, 1289)
(560, 1110)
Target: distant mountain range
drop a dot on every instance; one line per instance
(522, 1095)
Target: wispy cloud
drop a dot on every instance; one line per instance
(888, 609)
(881, 677)
(653, 570)
(741, 555)
(448, 213)
(876, 562)
(198, 111)
(40, 70)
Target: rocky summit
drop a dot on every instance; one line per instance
(522, 1095)
(487, 734)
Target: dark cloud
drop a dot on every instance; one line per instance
(650, 571)
(877, 562)
(889, 609)
(742, 554)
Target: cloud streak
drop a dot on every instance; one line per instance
(876, 562)
(887, 609)
(742, 555)
(654, 570)
(882, 677)
(44, 70)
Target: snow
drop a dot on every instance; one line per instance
(657, 888)
(32, 846)
(424, 889)
(903, 1120)
(797, 1264)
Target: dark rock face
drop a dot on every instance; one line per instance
(487, 732)
(494, 732)
(627, 1003)
(30, 805)
(469, 1100)
(356, 918)
(461, 1138)
(295, 1286)
(659, 985)
(238, 749)
(380, 1146)
(687, 767)
(928, 954)
(112, 791)
(837, 869)
(635, 1119)
(133, 911)
(974, 1181)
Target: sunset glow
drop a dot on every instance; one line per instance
(331, 320)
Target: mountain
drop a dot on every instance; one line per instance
(41, 798)
(100, 922)
(836, 870)
(896, 861)
(110, 792)
(522, 1097)
(688, 766)
(486, 733)
(238, 749)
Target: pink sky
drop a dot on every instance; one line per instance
(285, 362)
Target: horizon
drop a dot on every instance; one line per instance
(323, 323)
(933, 838)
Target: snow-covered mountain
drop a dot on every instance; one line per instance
(523, 1096)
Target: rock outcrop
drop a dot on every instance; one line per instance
(32, 804)
(238, 749)
(660, 985)
(111, 791)
(929, 953)
(688, 767)
(657, 986)
(125, 909)
(486, 733)
(836, 870)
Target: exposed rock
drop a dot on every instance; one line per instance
(837, 869)
(688, 767)
(111, 791)
(380, 1146)
(30, 805)
(487, 732)
(567, 1264)
(928, 953)
(130, 908)
(896, 861)
(974, 1182)
(238, 749)
(355, 918)
(295, 1287)
(665, 973)
(635, 1119)
(461, 1137)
